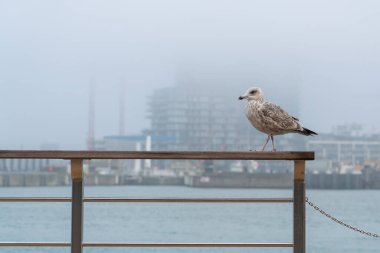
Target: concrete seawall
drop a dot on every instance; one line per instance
(101, 180)
(31, 179)
(220, 180)
(241, 180)
(335, 181)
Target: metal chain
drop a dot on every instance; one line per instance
(339, 221)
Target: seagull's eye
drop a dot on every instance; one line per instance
(253, 92)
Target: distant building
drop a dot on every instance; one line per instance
(195, 120)
(131, 142)
(127, 143)
(24, 164)
(334, 152)
(354, 130)
(120, 142)
(117, 143)
(32, 164)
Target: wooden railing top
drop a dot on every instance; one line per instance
(188, 155)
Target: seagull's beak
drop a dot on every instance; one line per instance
(241, 97)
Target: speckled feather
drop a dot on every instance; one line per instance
(271, 119)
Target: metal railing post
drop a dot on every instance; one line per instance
(299, 207)
(77, 205)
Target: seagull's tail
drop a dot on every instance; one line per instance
(306, 132)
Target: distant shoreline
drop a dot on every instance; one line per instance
(209, 180)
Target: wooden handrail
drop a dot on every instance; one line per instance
(188, 155)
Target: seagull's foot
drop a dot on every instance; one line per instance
(254, 150)
(274, 150)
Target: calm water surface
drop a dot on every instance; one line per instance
(187, 222)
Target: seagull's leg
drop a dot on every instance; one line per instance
(272, 138)
(265, 143)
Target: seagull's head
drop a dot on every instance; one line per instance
(253, 93)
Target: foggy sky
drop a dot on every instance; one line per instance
(50, 50)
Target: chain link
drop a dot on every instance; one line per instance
(339, 221)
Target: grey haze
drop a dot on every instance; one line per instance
(328, 52)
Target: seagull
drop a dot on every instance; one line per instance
(270, 118)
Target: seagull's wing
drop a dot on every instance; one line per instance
(277, 119)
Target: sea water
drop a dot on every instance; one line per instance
(190, 222)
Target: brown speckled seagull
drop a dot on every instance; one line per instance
(270, 118)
